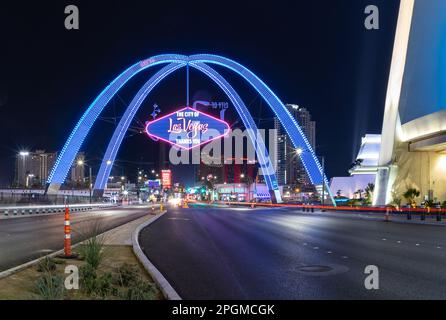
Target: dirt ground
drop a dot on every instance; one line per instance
(22, 285)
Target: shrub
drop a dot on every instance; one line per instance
(46, 265)
(88, 278)
(92, 249)
(127, 274)
(140, 290)
(104, 285)
(94, 284)
(50, 287)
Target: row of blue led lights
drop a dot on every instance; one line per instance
(242, 111)
(118, 135)
(71, 148)
(309, 159)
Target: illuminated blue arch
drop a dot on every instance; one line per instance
(124, 123)
(69, 151)
(72, 145)
(110, 155)
(309, 158)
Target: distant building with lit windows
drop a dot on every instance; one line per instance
(289, 167)
(32, 168)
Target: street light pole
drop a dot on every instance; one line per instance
(299, 151)
(323, 179)
(90, 182)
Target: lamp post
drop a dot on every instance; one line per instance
(323, 179)
(299, 152)
(90, 183)
(23, 155)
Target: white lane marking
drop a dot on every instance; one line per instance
(417, 244)
(316, 248)
(438, 247)
(329, 252)
(398, 241)
(184, 219)
(384, 239)
(344, 257)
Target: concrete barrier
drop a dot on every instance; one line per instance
(6, 212)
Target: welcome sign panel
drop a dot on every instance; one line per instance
(187, 128)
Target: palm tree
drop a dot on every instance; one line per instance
(369, 192)
(410, 196)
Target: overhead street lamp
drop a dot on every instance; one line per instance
(299, 152)
(81, 163)
(23, 154)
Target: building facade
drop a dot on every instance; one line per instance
(32, 168)
(413, 147)
(289, 167)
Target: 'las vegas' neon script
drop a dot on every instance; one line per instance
(187, 128)
(190, 127)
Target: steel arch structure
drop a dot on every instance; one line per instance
(175, 61)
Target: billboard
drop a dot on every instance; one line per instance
(166, 179)
(187, 128)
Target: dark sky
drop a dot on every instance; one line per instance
(314, 53)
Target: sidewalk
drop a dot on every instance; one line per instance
(393, 217)
(122, 235)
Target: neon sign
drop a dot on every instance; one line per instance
(166, 179)
(187, 128)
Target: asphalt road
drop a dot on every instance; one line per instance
(240, 253)
(27, 238)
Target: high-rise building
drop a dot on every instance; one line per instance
(289, 167)
(32, 168)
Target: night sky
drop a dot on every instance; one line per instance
(313, 53)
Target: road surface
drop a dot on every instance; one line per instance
(242, 253)
(27, 238)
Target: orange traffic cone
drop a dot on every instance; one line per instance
(67, 230)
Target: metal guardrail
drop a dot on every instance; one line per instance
(308, 207)
(36, 210)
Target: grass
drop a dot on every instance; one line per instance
(92, 249)
(118, 277)
(50, 286)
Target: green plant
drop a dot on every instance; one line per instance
(46, 265)
(396, 200)
(429, 203)
(88, 278)
(104, 285)
(50, 287)
(369, 193)
(140, 290)
(410, 196)
(127, 274)
(92, 249)
(96, 285)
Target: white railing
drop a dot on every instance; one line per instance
(48, 209)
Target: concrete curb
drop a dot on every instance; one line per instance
(25, 265)
(13, 270)
(168, 291)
